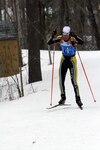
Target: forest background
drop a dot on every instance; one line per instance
(36, 19)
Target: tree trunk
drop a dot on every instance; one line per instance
(0, 11)
(65, 20)
(34, 40)
(93, 23)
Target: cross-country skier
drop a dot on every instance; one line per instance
(68, 42)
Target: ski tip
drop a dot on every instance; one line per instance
(81, 107)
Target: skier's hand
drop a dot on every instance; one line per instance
(73, 34)
(54, 33)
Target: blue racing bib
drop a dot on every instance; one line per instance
(68, 50)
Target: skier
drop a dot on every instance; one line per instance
(68, 42)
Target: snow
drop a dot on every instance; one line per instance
(26, 124)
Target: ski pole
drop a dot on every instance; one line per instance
(86, 76)
(52, 79)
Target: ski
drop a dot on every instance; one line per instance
(80, 107)
(58, 105)
(54, 106)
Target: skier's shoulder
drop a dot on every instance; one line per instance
(76, 39)
(72, 38)
(59, 37)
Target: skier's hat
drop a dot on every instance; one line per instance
(66, 30)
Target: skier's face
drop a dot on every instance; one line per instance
(65, 36)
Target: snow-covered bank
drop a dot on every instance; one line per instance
(26, 124)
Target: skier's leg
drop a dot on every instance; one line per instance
(73, 73)
(62, 73)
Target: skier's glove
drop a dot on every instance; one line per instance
(54, 33)
(73, 34)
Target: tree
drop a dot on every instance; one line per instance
(34, 39)
(0, 11)
(93, 23)
(64, 13)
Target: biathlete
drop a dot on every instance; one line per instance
(68, 42)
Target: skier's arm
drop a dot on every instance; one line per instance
(53, 40)
(78, 39)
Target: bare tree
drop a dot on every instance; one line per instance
(64, 13)
(0, 11)
(34, 39)
(93, 22)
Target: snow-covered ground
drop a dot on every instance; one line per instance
(26, 124)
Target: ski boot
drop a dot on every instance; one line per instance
(63, 99)
(78, 101)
